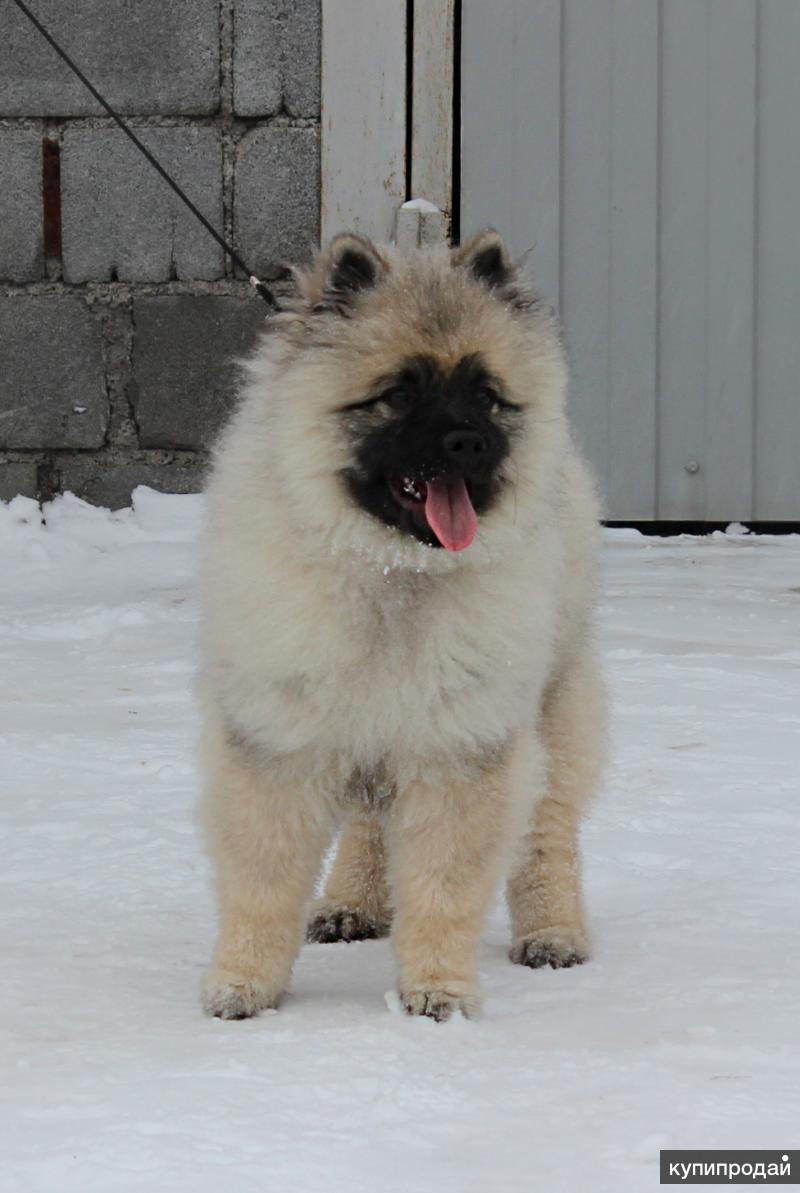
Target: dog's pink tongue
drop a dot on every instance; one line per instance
(450, 514)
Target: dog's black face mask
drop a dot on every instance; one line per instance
(428, 446)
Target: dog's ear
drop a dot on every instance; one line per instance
(487, 259)
(346, 267)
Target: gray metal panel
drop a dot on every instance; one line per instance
(707, 259)
(510, 110)
(683, 261)
(569, 164)
(778, 306)
(608, 265)
(730, 391)
(630, 480)
(658, 215)
(586, 211)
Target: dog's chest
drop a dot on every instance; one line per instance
(415, 668)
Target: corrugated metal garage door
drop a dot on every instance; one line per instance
(650, 152)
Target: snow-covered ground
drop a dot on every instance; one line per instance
(683, 1032)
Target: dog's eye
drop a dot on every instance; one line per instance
(397, 399)
(490, 401)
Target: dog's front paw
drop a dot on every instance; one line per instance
(229, 996)
(441, 1004)
(558, 947)
(330, 923)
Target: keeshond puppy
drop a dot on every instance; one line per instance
(398, 640)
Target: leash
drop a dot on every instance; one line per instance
(255, 282)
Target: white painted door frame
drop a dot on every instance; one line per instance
(387, 64)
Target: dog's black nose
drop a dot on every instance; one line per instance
(464, 445)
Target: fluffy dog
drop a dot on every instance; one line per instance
(398, 595)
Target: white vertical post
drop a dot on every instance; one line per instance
(420, 223)
(363, 156)
(432, 103)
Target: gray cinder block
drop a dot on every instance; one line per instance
(18, 477)
(276, 57)
(147, 56)
(21, 249)
(276, 201)
(52, 386)
(121, 220)
(184, 370)
(105, 480)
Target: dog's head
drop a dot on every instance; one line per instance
(412, 396)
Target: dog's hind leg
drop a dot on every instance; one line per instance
(544, 893)
(267, 842)
(355, 905)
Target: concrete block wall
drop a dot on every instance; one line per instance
(120, 317)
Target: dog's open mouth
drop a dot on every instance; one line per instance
(445, 505)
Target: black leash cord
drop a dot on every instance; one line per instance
(259, 286)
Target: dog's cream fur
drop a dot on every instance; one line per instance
(447, 706)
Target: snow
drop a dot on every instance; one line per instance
(681, 1033)
(419, 205)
